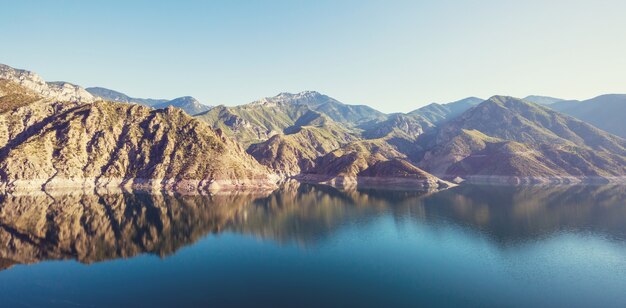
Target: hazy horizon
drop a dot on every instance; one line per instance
(394, 57)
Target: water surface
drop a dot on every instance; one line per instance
(314, 245)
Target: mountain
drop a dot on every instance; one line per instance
(187, 103)
(508, 139)
(407, 126)
(542, 100)
(258, 121)
(55, 135)
(114, 96)
(319, 150)
(13, 95)
(253, 123)
(605, 112)
(337, 111)
(47, 143)
(296, 150)
(61, 91)
(438, 113)
(370, 163)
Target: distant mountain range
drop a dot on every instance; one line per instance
(188, 104)
(542, 100)
(114, 96)
(504, 137)
(66, 91)
(605, 112)
(61, 135)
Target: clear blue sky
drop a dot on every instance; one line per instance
(391, 55)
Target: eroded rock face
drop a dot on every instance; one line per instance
(54, 135)
(61, 91)
(49, 144)
(297, 150)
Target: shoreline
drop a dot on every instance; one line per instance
(273, 183)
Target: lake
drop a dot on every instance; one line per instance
(306, 245)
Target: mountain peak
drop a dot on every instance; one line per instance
(302, 98)
(59, 90)
(299, 94)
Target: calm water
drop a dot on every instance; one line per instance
(314, 245)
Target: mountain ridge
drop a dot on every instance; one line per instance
(187, 103)
(604, 111)
(525, 142)
(51, 136)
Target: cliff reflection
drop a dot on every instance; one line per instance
(96, 227)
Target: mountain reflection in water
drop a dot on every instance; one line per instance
(97, 227)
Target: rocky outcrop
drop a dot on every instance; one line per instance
(61, 91)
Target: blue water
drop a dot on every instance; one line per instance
(313, 246)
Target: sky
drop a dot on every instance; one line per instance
(392, 55)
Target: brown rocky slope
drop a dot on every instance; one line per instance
(51, 144)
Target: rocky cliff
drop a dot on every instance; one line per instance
(62, 91)
(46, 143)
